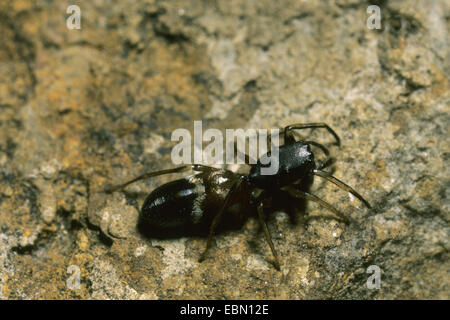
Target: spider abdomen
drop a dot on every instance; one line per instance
(174, 206)
(185, 206)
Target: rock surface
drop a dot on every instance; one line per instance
(81, 109)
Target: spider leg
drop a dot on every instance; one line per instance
(340, 184)
(316, 125)
(260, 208)
(248, 159)
(305, 195)
(195, 167)
(217, 218)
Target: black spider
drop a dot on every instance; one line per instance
(198, 202)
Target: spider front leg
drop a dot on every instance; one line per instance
(268, 148)
(248, 159)
(195, 167)
(316, 125)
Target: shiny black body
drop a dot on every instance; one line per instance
(296, 161)
(196, 204)
(172, 205)
(187, 206)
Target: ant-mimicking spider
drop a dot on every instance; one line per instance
(198, 202)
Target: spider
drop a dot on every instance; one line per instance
(198, 202)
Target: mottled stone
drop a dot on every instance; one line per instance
(81, 110)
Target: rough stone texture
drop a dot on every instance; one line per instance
(81, 109)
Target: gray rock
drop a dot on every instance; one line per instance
(81, 110)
